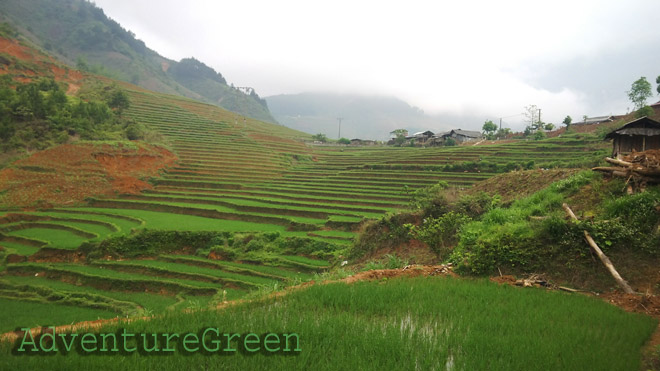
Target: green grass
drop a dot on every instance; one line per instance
(151, 302)
(167, 221)
(307, 261)
(193, 270)
(15, 314)
(240, 268)
(404, 324)
(59, 239)
(17, 248)
(269, 270)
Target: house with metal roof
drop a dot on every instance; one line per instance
(637, 135)
(595, 120)
(460, 135)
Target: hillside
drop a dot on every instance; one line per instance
(99, 231)
(80, 34)
(364, 116)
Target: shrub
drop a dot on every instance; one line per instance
(441, 233)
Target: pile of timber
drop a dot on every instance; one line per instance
(640, 167)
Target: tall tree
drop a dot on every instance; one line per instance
(489, 127)
(639, 92)
(567, 121)
(531, 117)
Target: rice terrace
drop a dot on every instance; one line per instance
(154, 217)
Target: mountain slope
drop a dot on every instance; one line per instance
(79, 33)
(366, 117)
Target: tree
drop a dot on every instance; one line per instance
(399, 133)
(567, 121)
(657, 81)
(344, 141)
(502, 133)
(450, 142)
(530, 116)
(489, 128)
(539, 135)
(320, 137)
(399, 136)
(644, 111)
(639, 92)
(549, 126)
(118, 101)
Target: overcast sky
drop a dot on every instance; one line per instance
(489, 58)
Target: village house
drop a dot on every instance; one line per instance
(362, 142)
(638, 135)
(461, 136)
(421, 137)
(595, 120)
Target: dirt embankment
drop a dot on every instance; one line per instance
(518, 184)
(36, 64)
(67, 174)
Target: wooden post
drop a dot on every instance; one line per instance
(603, 258)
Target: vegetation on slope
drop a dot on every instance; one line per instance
(38, 115)
(79, 33)
(481, 235)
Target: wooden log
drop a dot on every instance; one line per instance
(603, 258)
(608, 168)
(624, 174)
(618, 162)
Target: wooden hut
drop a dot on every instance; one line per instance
(638, 135)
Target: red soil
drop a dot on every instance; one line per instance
(57, 71)
(67, 174)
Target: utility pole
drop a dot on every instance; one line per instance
(500, 123)
(339, 134)
(539, 116)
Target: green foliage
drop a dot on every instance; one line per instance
(539, 135)
(344, 141)
(389, 231)
(489, 127)
(567, 121)
(644, 111)
(38, 114)
(509, 238)
(7, 31)
(503, 133)
(450, 142)
(320, 137)
(549, 126)
(429, 197)
(476, 204)
(441, 233)
(639, 92)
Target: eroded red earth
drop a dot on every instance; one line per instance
(65, 175)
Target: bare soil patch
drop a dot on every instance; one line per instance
(67, 174)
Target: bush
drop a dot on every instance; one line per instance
(440, 234)
(225, 252)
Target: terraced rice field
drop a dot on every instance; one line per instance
(234, 174)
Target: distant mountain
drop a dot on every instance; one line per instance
(80, 34)
(364, 117)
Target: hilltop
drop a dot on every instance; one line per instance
(80, 35)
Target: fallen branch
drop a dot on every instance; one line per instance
(618, 162)
(603, 258)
